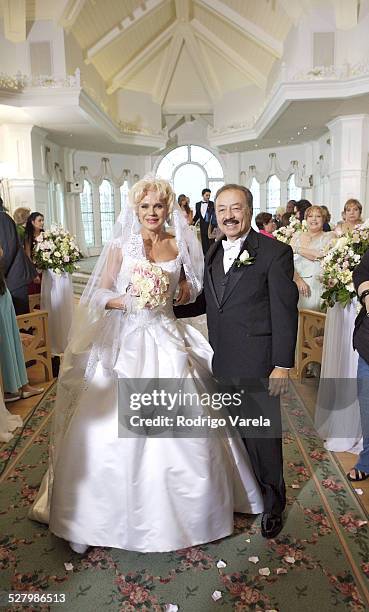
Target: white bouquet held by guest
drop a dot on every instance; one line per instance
(284, 234)
(338, 265)
(150, 285)
(56, 250)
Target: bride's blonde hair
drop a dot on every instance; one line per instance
(142, 187)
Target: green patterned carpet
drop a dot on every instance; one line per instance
(320, 561)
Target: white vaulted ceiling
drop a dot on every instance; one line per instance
(182, 52)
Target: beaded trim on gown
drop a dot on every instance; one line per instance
(144, 494)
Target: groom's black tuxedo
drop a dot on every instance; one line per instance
(252, 321)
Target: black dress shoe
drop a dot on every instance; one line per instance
(271, 525)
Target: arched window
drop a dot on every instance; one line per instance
(293, 192)
(273, 193)
(87, 213)
(124, 190)
(190, 169)
(107, 211)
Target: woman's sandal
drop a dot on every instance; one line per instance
(359, 475)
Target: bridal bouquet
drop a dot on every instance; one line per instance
(56, 250)
(149, 283)
(338, 265)
(284, 234)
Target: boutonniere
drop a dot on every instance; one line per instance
(244, 259)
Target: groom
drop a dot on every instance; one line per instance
(252, 321)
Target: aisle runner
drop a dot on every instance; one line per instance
(320, 560)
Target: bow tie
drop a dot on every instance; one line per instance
(228, 245)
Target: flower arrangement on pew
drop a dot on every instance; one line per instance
(284, 234)
(56, 250)
(338, 265)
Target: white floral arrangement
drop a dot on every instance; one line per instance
(338, 266)
(56, 250)
(149, 283)
(284, 234)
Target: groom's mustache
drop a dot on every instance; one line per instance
(230, 222)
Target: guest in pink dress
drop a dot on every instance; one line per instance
(265, 224)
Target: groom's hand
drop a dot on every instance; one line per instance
(278, 381)
(184, 293)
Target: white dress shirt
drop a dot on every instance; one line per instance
(203, 209)
(231, 250)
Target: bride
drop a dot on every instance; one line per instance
(147, 494)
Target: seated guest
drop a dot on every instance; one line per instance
(13, 369)
(327, 218)
(361, 344)
(351, 217)
(265, 224)
(20, 217)
(18, 269)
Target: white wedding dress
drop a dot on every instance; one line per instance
(143, 494)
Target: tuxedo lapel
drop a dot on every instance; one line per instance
(209, 269)
(235, 273)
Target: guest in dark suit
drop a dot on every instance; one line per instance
(252, 321)
(203, 213)
(19, 271)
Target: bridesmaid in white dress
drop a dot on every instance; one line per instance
(139, 493)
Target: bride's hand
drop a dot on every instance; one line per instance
(116, 303)
(183, 293)
(303, 288)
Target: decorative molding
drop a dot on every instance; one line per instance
(168, 67)
(248, 28)
(14, 14)
(141, 58)
(70, 13)
(351, 80)
(203, 67)
(301, 178)
(238, 62)
(183, 9)
(145, 9)
(20, 81)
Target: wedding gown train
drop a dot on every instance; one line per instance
(143, 494)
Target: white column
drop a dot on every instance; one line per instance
(21, 148)
(349, 153)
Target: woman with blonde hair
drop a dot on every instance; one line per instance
(147, 493)
(309, 248)
(352, 212)
(20, 217)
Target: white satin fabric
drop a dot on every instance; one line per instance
(8, 422)
(57, 300)
(338, 420)
(144, 494)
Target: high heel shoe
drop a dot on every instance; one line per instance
(78, 548)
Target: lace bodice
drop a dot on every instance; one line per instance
(134, 252)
